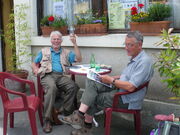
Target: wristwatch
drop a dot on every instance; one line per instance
(113, 82)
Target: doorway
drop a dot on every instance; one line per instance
(5, 49)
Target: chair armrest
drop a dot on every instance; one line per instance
(20, 80)
(118, 94)
(23, 95)
(30, 83)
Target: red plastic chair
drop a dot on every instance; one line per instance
(114, 108)
(21, 102)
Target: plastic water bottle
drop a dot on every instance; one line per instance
(92, 61)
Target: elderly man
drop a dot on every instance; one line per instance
(97, 96)
(60, 90)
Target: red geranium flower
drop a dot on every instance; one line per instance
(134, 11)
(134, 8)
(51, 18)
(141, 5)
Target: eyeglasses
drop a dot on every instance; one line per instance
(129, 45)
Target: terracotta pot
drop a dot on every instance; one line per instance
(91, 29)
(20, 73)
(150, 28)
(63, 30)
(46, 30)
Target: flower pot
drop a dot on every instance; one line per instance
(63, 30)
(150, 28)
(14, 85)
(46, 30)
(91, 29)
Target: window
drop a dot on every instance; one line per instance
(116, 10)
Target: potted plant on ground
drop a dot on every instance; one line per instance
(151, 22)
(168, 61)
(87, 24)
(50, 23)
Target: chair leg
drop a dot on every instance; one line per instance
(108, 116)
(11, 120)
(40, 110)
(137, 123)
(32, 118)
(5, 123)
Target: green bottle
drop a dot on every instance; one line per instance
(92, 61)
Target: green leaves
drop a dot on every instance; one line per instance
(57, 22)
(168, 61)
(159, 11)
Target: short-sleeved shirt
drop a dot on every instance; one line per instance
(55, 57)
(138, 71)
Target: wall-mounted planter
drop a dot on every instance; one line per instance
(150, 28)
(91, 29)
(46, 30)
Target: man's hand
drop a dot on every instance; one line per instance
(35, 71)
(73, 39)
(35, 68)
(76, 49)
(106, 79)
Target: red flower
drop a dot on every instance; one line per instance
(134, 11)
(51, 18)
(141, 5)
(134, 8)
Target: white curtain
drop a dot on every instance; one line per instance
(175, 4)
(48, 7)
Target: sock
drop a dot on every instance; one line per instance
(176, 119)
(81, 113)
(87, 125)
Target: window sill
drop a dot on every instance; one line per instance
(110, 40)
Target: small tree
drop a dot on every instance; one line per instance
(168, 61)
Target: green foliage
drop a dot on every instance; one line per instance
(140, 17)
(89, 18)
(168, 61)
(18, 39)
(159, 11)
(57, 22)
(155, 12)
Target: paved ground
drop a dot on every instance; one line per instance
(121, 125)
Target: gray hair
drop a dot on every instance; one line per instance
(135, 34)
(55, 33)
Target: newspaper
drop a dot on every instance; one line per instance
(95, 77)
